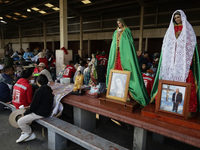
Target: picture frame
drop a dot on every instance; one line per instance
(118, 85)
(173, 98)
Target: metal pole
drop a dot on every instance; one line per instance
(141, 28)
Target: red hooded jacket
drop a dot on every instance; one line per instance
(22, 93)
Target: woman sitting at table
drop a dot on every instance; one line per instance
(43, 70)
(43, 59)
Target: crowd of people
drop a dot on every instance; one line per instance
(22, 93)
(149, 67)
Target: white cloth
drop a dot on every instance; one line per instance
(177, 53)
(47, 74)
(35, 58)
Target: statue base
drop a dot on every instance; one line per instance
(78, 92)
(193, 123)
(128, 106)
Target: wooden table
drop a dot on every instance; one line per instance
(140, 122)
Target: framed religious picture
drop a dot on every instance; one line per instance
(173, 98)
(118, 85)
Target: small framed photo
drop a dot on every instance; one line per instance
(118, 85)
(173, 98)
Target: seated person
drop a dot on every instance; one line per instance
(60, 74)
(40, 107)
(8, 61)
(43, 70)
(143, 68)
(52, 61)
(6, 83)
(1, 68)
(43, 59)
(148, 80)
(69, 71)
(36, 69)
(27, 55)
(103, 59)
(15, 56)
(80, 68)
(22, 90)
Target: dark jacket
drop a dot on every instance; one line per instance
(178, 97)
(8, 61)
(5, 95)
(5, 90)
(42, 102)
(143, 60)
(6, 78)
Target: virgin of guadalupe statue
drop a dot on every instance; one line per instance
(123, 57)
(179, 58)
(93, 72)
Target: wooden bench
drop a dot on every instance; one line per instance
(59, 131)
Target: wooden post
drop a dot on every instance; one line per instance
(89, 48)
(146, 44)
(53, 46)
(44, 34)
(20, 39)
(63, 24)
(2, 38)
(61, 58)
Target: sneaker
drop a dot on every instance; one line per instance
(31, 137)
(23, 137)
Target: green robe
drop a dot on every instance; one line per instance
(196, 72)
(129, 62)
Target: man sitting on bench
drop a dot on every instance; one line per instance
(22, 91)
(40, 107)
(6, 82)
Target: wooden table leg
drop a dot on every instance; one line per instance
(139, 138)
(84, 119)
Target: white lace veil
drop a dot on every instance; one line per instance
(177, 53)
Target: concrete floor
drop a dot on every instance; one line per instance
(106, 128)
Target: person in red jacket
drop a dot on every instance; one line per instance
(148, 80)
(103, 60)
(69, 71)
(22, 91)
